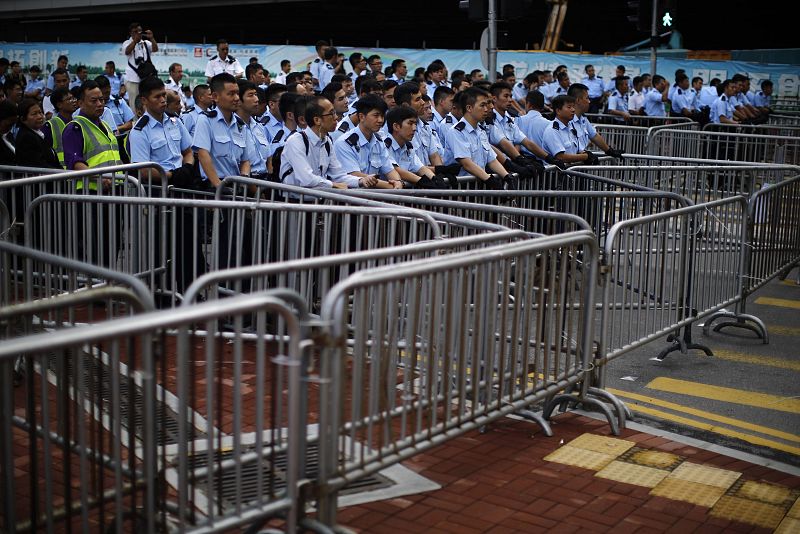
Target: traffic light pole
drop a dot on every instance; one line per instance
(492, 41)
(653, 37)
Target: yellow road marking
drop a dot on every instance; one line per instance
(708, 415)
(783, 303)
(755, 440)
(737, 396)
(783, 330)
(730, 355)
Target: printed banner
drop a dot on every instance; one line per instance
(193, 58)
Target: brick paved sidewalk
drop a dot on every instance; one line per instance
(514, 479)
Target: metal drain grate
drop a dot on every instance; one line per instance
(229, 490)
(96, 383)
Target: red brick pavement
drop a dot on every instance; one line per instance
(498, 482)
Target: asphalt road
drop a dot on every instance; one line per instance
(746, 396)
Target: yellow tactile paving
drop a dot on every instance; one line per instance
(760, 491)
(585, 458)
(602, 444)
(746, 511)
(789, 525)
(703, 474)
(661, 460)
(684, 490)
(639, 475)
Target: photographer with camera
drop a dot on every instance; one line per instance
(138, 50)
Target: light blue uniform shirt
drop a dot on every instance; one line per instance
(120, 110)
(426, 142)
(721, 106)
(161, 142)
(585, 131)
(519, 91)
(263, 148)
(356, 153)
(533, 125)
(316, 67)
(708, 95)
(404, 156)
(271, 124)
(560, 137)
(280, 137)
(681, 100)
(189, 118)
(761, 100)
(557, 90)
(228, 144)
(595, 85)
(653, 105)
(116, 81)
(326, 72)
(345, 125)
(464, 141)
(34, 85)
(618, 102)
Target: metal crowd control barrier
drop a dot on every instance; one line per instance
(784, 120)
(726, 146)
(169, 242)
(150, 423)
(771, 248)
(421, 352)
(632, 139)
(700, 182)
(785, 130)
(786, 104)
(663, 271)
(19, 186)
(636, 120)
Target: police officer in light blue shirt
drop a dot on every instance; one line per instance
(255, 130)
(363, 152)
(121, 112)
(160, 136)
(425, 142)
(202, 103)
(35, 87)
(654, 100)
(222, 144)
(328, 68)
(596, 87)
(402, 123)
(561, 139)
(762, 98)
(618, 100)
(722, 109)
(533, 124)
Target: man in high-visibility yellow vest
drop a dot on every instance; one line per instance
(88, 143)
(65, 105)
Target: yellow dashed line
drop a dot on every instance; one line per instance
(783, 303)
(736, 396)
(783, 330)
(756, 360)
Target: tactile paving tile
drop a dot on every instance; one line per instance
(764, 492)
(794, 511)
(639, 475)
(684, 490)
(657, 459)
(703, 474)
(585, 458)
(602, 444)
(789, 525)
(746, 511)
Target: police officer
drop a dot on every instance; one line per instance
(363, 153)
(762, 98)
(359, 64)
(442, 105)
(89, 142)
(682, 103)
(161, 137)
(223, 62)
(202, 103)
(618, 100)
(117, 81)
(586, 132)
(468, 144)
(174, 82)
(435, 75)
(722, 110)
(220, 138)
(120, 111)
(425, 141)
(399, 71)
(596, 87)
(521, 89)
(561, 139)
(328, 68)
(533, 124)
(335, 93)
(402, 124)
(316, 65)
(308, 158)
(61, 79)
(654, 99)
(65, 105)
(248, 108)
(561, 85)
(272, 119)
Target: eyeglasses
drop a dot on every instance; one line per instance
(331, 114)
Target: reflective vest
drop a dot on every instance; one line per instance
(56, 132)
(100, 148)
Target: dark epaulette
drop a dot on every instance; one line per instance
(555, 125)
(519, 84)
(211, 113)
(483, 127)
(170, 114)
(278, 136)
(423, 121)
(460, 126)
(599, 77)
(490, 119)
(239, 121)
(344, 127)
(213, 58)
(409, 146)
(316, 60)
(760, 93)
(724, 98)
(378, 136)
(680, 91)
(188, 110)
(142, 122)
(230, 59)
(353, 141)
(448, 119)
(510, 119)
(387, 142)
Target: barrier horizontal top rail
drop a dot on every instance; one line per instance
(644, 120)
(765, 129)
(71, 175)
(726, 145)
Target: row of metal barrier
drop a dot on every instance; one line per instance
(315, 337)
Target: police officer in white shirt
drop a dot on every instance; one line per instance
(174, 82)
(399, 71)
(636, 98)
(137, 49)
(286, 68)
(223, 62)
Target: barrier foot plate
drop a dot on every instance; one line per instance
(742, 320)
(538, 419)
(684, 345)
(587, 402)
(623, 413)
